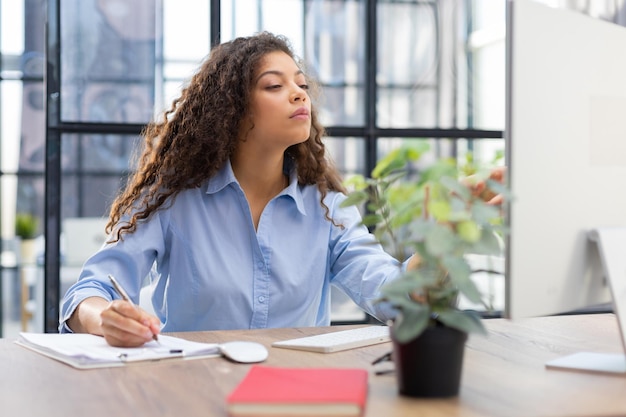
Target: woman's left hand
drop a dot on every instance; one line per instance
(479, 188)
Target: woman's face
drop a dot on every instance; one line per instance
(280, 107)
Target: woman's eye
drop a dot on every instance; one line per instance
(273, 87)
(304, 86)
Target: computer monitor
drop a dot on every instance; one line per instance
(566, 154)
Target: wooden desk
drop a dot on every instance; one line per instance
(503, 375)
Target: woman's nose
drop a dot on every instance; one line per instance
(298, 94)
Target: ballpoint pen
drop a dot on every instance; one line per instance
(125, 297)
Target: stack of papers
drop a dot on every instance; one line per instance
(85, 351)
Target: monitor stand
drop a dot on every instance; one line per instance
(612, 248)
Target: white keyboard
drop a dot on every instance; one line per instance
(340, 340)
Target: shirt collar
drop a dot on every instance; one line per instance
(226, 176)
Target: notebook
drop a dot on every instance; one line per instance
(276, 391)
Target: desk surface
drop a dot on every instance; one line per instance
(503, 375)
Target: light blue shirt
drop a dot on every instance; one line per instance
(212, 270)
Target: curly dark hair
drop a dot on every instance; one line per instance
(199, 133)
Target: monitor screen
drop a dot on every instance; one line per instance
(566, 155)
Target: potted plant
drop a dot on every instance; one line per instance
(437, 218)
(26, 229)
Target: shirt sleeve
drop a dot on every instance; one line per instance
(359, 265)
(129, 261)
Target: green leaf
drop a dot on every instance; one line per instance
(357, 182)
(457, 267)
(374, 206)
(440, 210)
(415, 150)
(399, 157)
(499, 188)
(407, 283)
(371, 219)
(466, 321)
(489, 244)
(404, 193)
(393, 161)
(405, 216)
(469, 231)
(420, 227)
(391, 178)
(441, 168)
(355, 198)
(460, 275)
(440, 240)
(455, 186)
(484, 213)
(468, 288)
(410, 322)
(398, 288)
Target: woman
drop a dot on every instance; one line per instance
(234, 212)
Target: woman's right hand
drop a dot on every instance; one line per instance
(120, 322)
(126, 325)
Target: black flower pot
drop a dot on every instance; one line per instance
(430, 365)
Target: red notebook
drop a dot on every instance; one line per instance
(275, 391)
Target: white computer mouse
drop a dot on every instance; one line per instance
(244, 352)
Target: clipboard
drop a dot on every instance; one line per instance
(88, 351)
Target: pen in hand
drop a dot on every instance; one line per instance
(125, 297)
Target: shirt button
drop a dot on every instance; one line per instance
(261, 299)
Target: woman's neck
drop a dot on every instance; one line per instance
(263, 172)
(261, 179)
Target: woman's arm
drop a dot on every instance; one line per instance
(91, 305)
